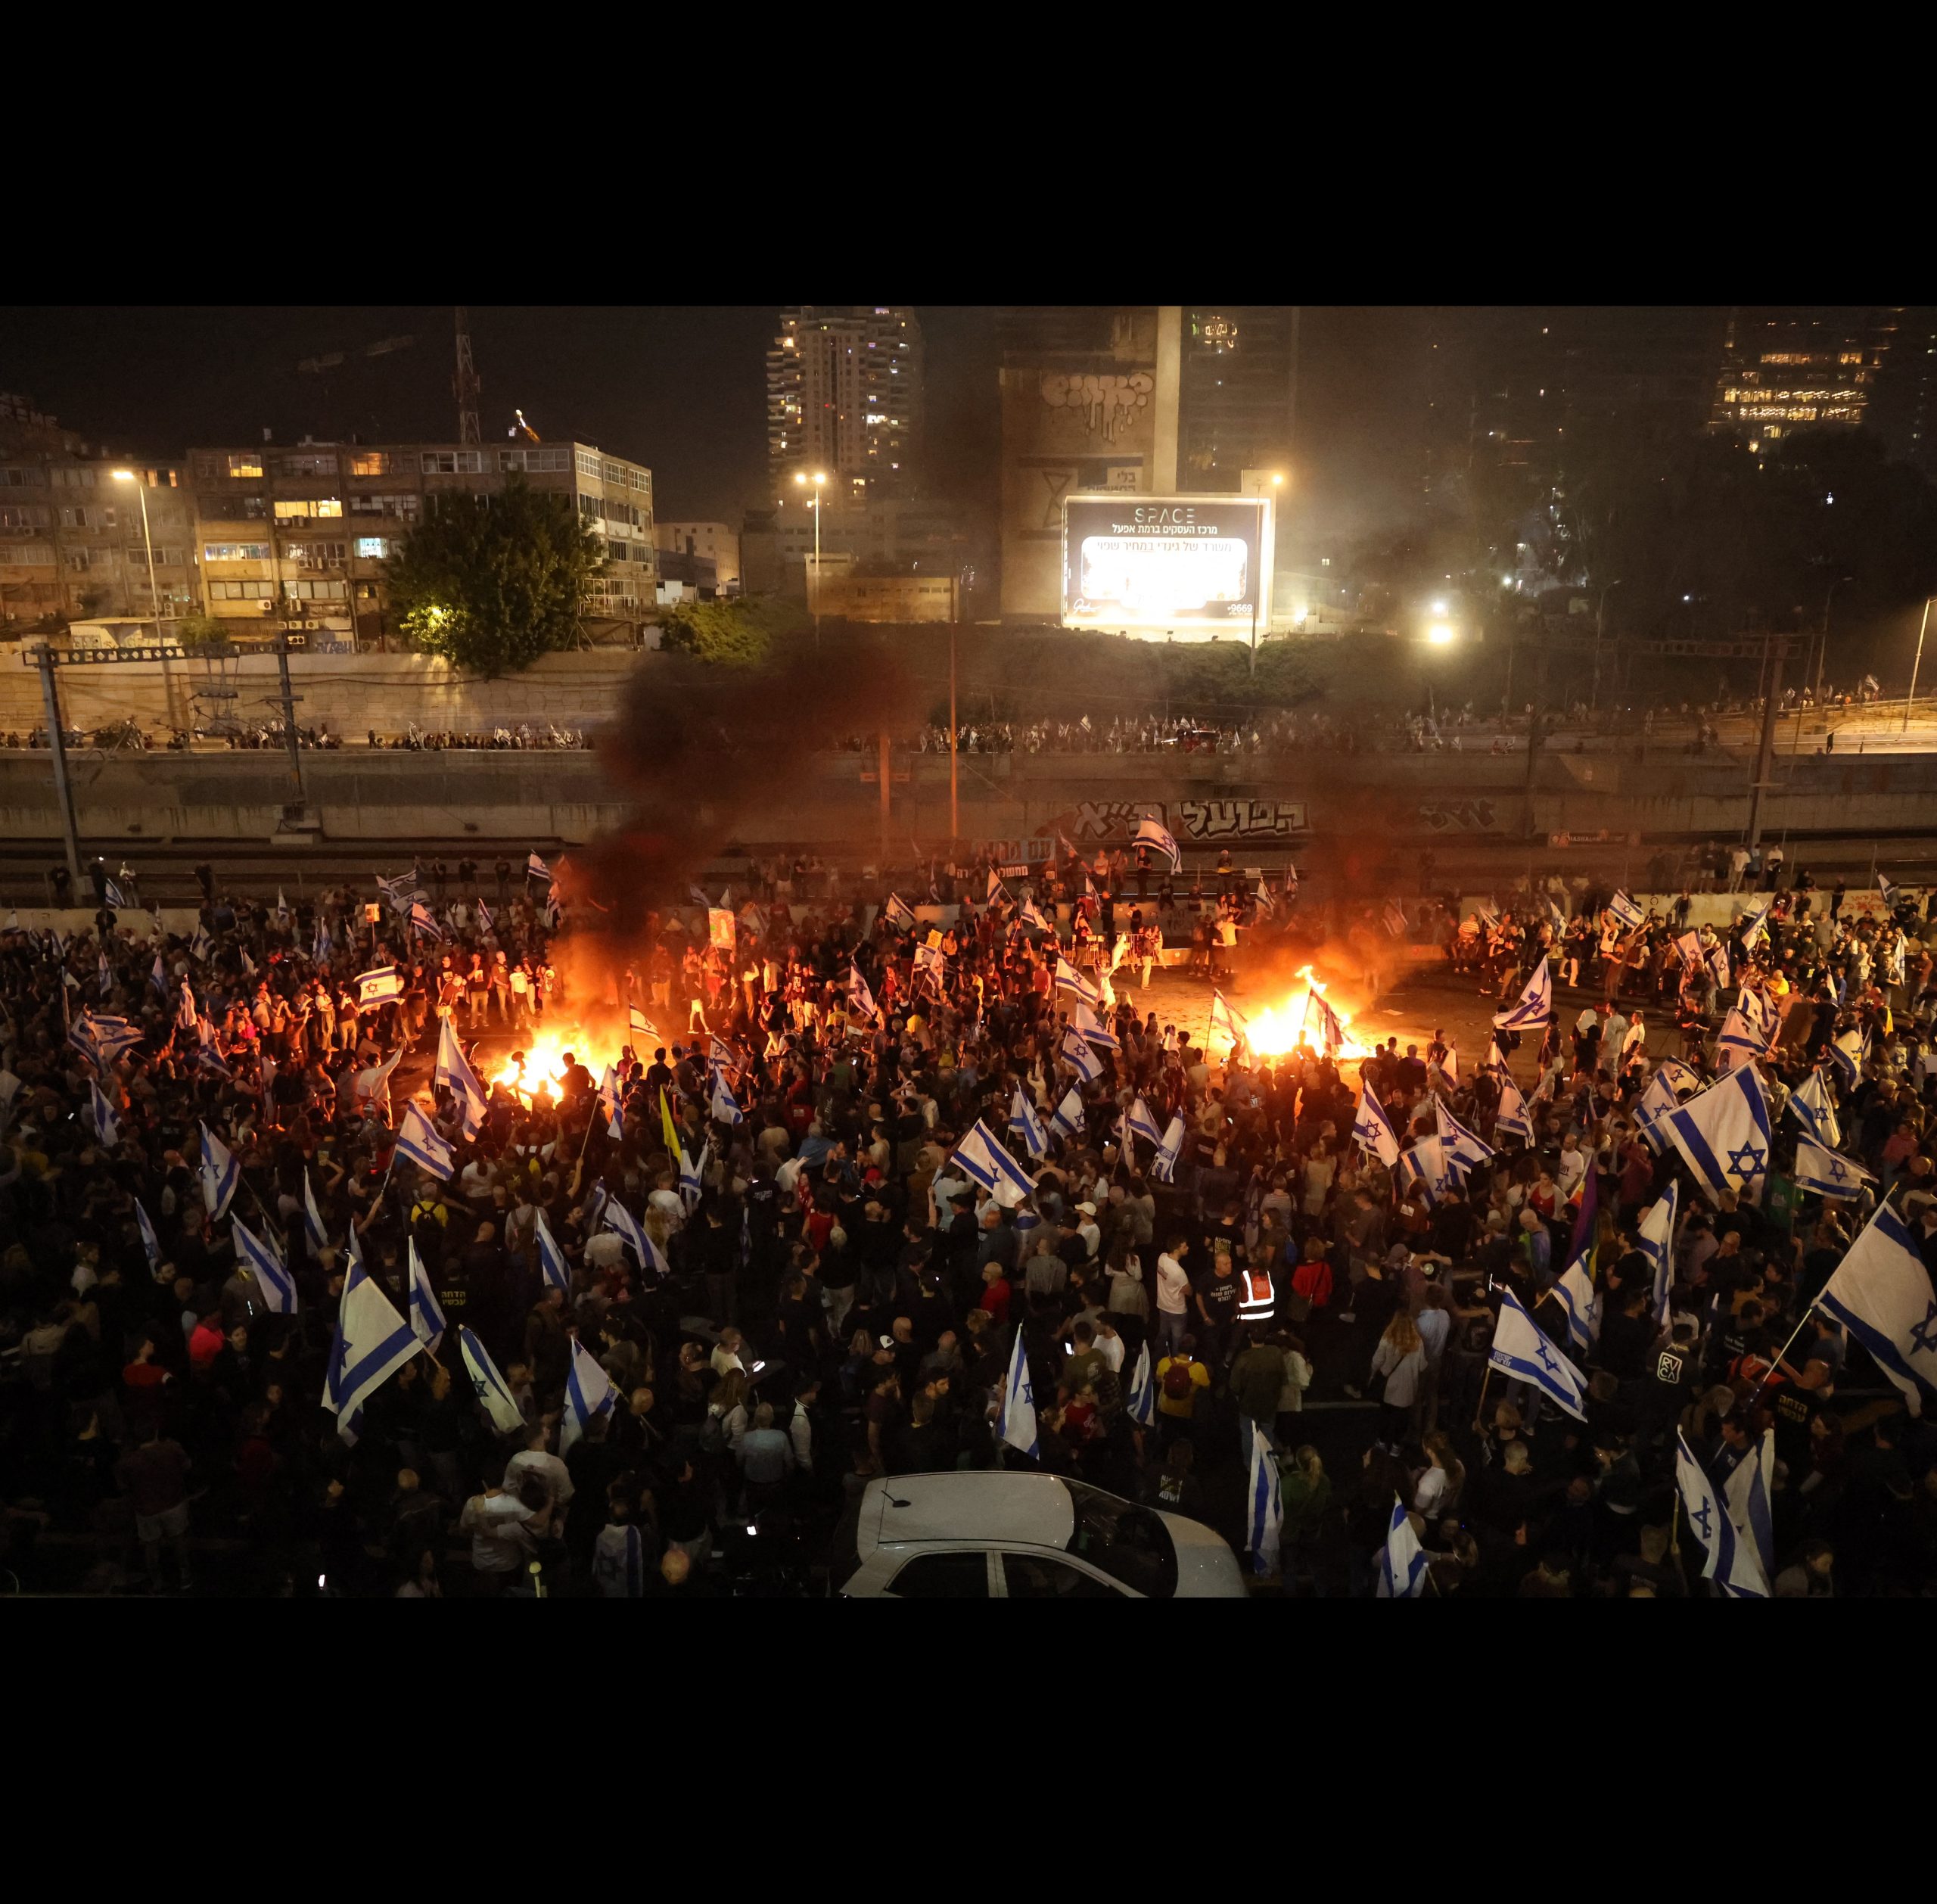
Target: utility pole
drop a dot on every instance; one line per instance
(1917, 666)
(57, 746)
(289, 702)
(1765, 752)
(954, 793)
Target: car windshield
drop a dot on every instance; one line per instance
(1128, 1543)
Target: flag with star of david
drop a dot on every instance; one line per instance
(1828, 1172)
(1019, 1401)
(1723, 1134)
(1520, 1349)
(1731, 1563)
(1881, 1294)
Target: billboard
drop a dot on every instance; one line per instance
(1160, 564)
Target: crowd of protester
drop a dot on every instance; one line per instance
(827, 1297)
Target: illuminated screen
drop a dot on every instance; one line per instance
(1161, 563)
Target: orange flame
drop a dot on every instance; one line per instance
(1276, 1031)
(542, 1070)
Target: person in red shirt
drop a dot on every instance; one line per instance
(206, 1342)
(143, 1379)
(995, 1293)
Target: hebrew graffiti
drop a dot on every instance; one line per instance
(1240, 820)
(1459, 816)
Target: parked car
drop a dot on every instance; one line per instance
(1007, 1536)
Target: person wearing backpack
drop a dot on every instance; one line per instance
(1180, 1378)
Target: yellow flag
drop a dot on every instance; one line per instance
(665, 1117)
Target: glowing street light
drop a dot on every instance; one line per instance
(820, 477)
(154, 594)
(1440, 632)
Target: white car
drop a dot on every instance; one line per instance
(997, 1535)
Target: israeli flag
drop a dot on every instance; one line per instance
(1372, 1131)
(427, 1314)
(1887, 887)
(417, 1139)
(377, 986)
(1732, 1563)
(1163, 1165)
(1723, 1134)
(1828, 1172)
(1535, 1004)
(860, 998)
(1018, 1401)
(321, 945)
(423, 921)
(692, 1176)
(1034, 919)
(453, 1073)
(1754, 928)
(158, 976)
(278, 1286)
(1023, 1121)
(551, 1257)
(372, 1341)
(588, 1394)
(1402, 1564)
(1264, 1517)
(1394, 916)
(1075, 1052)
(1815, 1110)
(1689, 944)
(111, 1035)
(1575, 1290)
(1747, 1491)
(221, 1175)
(312, 1218)
(1067, 1116)
(628, 1230)
(981, 1158)
(1681, 1077)
(608, 1097)
(1718, 964)
(535, 868)
(724, 1105)
(1740, 1040)
(150, 1243)
(1140, 1399)
(1625, 910)
(494, 1395)
(113, 897)
(1653, 1104)
(1425, 1165)
(1093, 1028)
(1881, 1294)
(995, 891)
(1512, 1119)
(1849, 1053)
(1331, 1030)
(106, 1125)
(1140, 1123)
(1654, 1239)
(484, 921)
(1522, 1350)
(1462, 1150)
(900, 914)
(1225, 1018)
(1070, 980)
(1152, 833)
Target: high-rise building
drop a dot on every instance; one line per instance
(1238, 400)
(844, 396)
(1785, 368)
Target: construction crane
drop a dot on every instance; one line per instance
(521, 424)
(465, 385)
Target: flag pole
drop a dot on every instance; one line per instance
(1479, 1411)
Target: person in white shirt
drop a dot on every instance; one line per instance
(535, 1458)
(1108, 1343)
(1093, 1236)
(1572, 1167)
(1173, 1295)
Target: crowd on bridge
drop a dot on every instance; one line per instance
(304, 1274)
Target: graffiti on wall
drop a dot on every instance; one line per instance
(1242, 819)
(1108, 401)
(1459, 816)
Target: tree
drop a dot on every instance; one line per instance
(728, 634)
(491, 583)
(196, 632)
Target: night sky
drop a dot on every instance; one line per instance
(679, 388)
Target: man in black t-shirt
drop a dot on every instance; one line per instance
(1215, 1297)
(1667, 1383)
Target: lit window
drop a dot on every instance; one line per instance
(248, 464)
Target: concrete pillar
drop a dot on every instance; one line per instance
(1169, 379)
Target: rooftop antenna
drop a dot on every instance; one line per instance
(465, 386)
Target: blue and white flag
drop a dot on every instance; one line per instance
(1331, 1030)
(860, 998)
(278, 1286)
(1402, 1564)
(106, 1125)
(1140, 1399)
(551, 1259)
(1850, 1052)
(1534, 1005)
(424, 922)
(1575, 1291)
(418, 1140)
(220, 1174)
(1024, 1121)
(426, 1313)
(372, 1341)
(1689, 944)
(1070, 980)
(1718, 964)
(1654, 1239)
(900, 914)
(535, 868)
(608, 1099)
(1018, 1401)
(1163, 1165)
(1754, 928)
(312, 1218)
(641, 1030)
(493, 1392)
(1682, 1078)
(1739, 1039)
(1075, 1052)
(1462, 1149)
(692, 1175)
(1140, 1123)
(724, 1106)
(1032, 919)
(1815, 1110)
(1372, 1131)
(158, 977)
(1732, 1563)
(484, 920)
(1651, 1107)
(1425, 1165)
(320, 944)
(630, 1230)
(110, 1035)
(981, 1159)
(1625, 910)
(399, 891)
(1226, 1018)
(1888, 888)
(1067, 1116)
(1828, 1172)
(150, 1243)
(113, 894)
(1393, 916)
(1152, 833)
(376, 987)
(1083, 1020)
(1723, 1134)
(453, 1073)
(1747, 1493)
(588, 1394)
(1522, 1350)
(1881, 1294)
(1264, 1512)
(1512, 1119)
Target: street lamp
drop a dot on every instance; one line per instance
(1823, 639)
(820, 477)
(154, 593)
(1916, 666)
